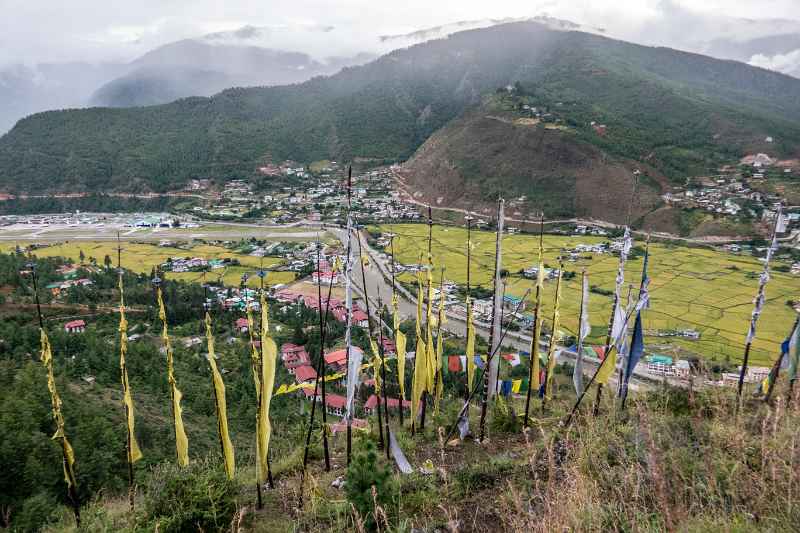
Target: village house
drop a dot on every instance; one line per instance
(335, 404)
(242, 325)
(357, 423)
(392, 403)
(336, 359)
(304, 374)
(75, 326)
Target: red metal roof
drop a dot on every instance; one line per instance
(392, 402)
(304, 373)
(75, 324)
(336, 357)
(335, 400)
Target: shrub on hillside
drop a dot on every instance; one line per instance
(370, 487)
(196, 498)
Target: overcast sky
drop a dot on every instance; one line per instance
(98, 30)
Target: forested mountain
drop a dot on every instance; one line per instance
(676, 112)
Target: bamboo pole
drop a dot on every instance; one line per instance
(124, 372)
(536, 311)
(72, 494)
(400, 386)
(757, 308)
(493, 366)
(381, 441)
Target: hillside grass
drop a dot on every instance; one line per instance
(676, 460)
(696, 288)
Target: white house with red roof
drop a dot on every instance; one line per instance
(304, 374)
(337, 359)
(335, 404)
(75, 326)
(242, 326)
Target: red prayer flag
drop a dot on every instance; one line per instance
(454, 363)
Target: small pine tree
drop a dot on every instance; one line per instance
(364, 473)
(81, 256)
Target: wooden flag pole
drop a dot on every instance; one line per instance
(430, 266)
(382, 353)
(128, 445)
(322, 335)
(468, 299)
(320, 376)
(757, 309)
(494, 342)
(438, 372)
(71, 492)
(381, 441)
(400, 386)
(348, 272)
(536, 311)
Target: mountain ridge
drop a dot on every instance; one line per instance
(387, 109)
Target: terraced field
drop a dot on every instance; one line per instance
(697, 288)
(141, 257)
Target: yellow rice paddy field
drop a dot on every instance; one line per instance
(142, 257)
(691, 288)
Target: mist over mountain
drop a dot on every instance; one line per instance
(289, 53)
(205, 67)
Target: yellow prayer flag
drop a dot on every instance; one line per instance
(400, 346)
(68, 455)
(269, 356)
(181, 441)
(551, 352)
(607, 366)
(219, 400)
(470, 352)
(516, 385)
(134, 453)
(376, 359)
(420, 373)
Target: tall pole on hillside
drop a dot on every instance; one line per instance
(382, 352)
(490, 377)
(320, 376)
(132, 452)
(469, 364)
(400, 364)
(322, 335)
(537, 325)
(425, 391)
(348, 283)
(381, 441)
(67, 454)
(758, 305)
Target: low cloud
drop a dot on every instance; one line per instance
(786, 63)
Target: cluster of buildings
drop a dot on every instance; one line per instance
(297, 362)
(234, 298)
(316, 196)
(70, 274)
(190, 264)
(728, 194)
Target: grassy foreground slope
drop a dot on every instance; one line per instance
(678, 112)
(675, 461)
